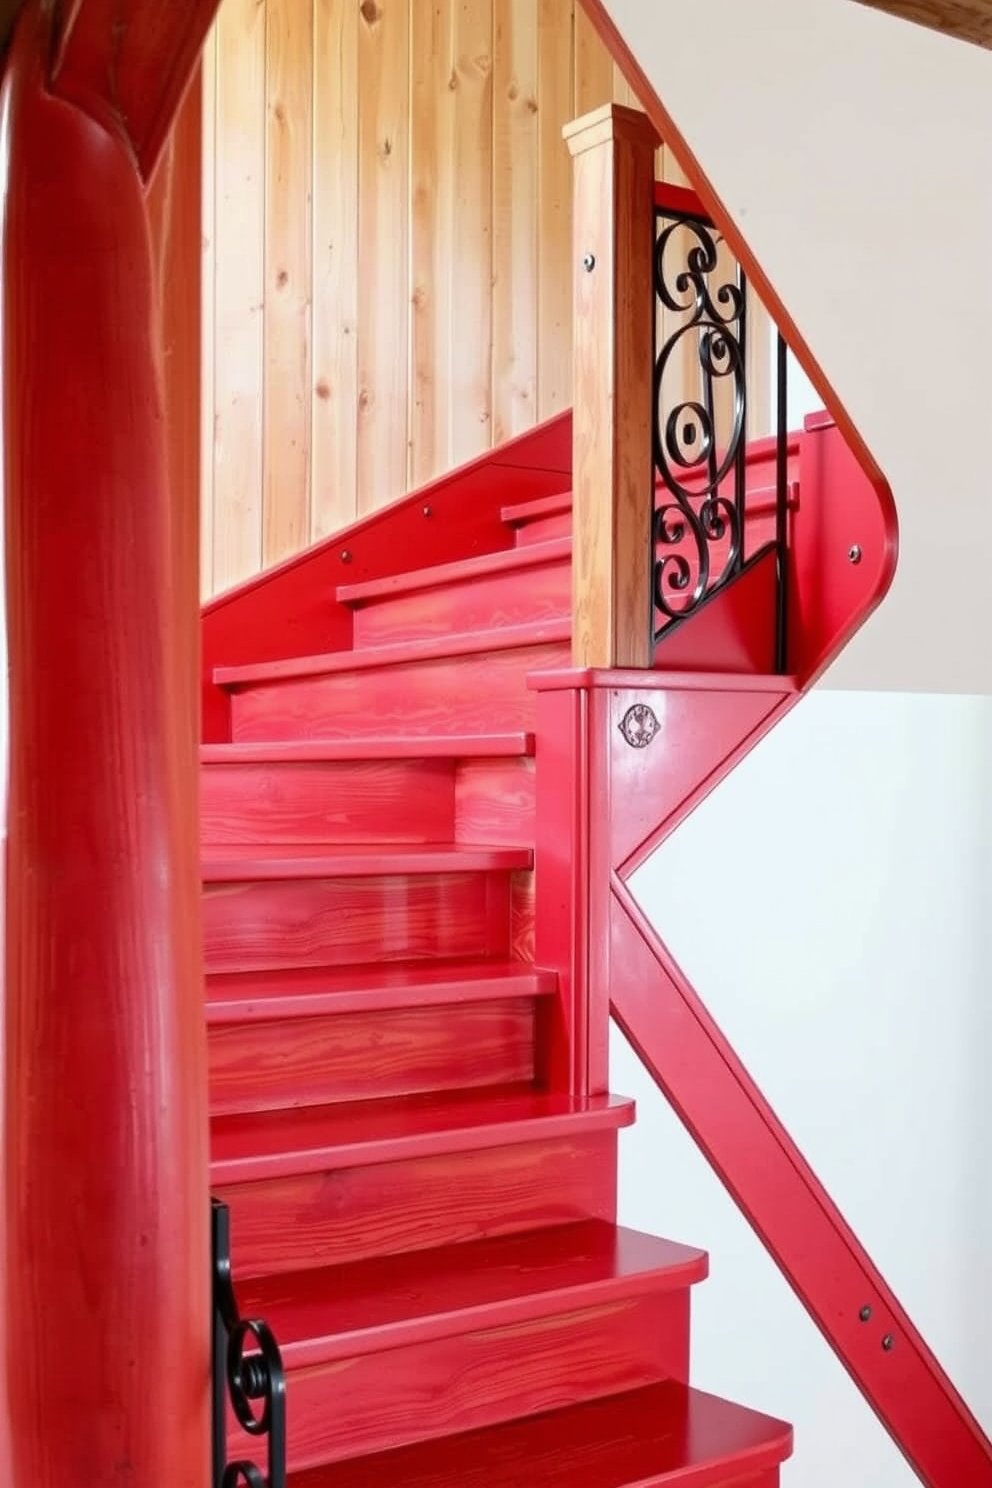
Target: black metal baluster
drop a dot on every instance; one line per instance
(740, 470)
(243, 1377)
(782, 502)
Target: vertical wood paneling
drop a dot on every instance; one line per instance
(387, 263)
(383, 254)
(593, 68)
(470, 231)
(239, 235)
(432, 252)
(554, 295)
(333, 460)
(515, 210)
(286, 399)
(208, 346)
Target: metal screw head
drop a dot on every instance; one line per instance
(427, 511)
(345, 556)
(854, 553)
(589, 262)
(865, 1314)
(888, 1343)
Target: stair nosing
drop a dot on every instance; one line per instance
(608, 1113)
(357, 751)
(462, 570)
(274, 1006)
(484, 1315)
(432, 648)
(222, 863)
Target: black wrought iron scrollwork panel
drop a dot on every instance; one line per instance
(248, 1375)
(700, 415)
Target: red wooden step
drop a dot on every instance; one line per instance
(495, 800)
(540, 520)
(396, 747)
(236, 863)
(341, 1311)
(515, 587)
(275, 1144)
(443, 686)
(256, 918)
(508, 638)
(367, 1055)
(298, 1221)
(395, 1351)
(321, 800)
(311, 991)
(663, 1436)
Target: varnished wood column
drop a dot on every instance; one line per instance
(612, 481)
(105, 1207)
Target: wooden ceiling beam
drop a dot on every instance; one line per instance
(968, 20)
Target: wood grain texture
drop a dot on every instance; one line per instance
(317, 923)
(450, 695)
(335, 209)
(612, 484)
(238, 416)
(968, 20)
(318, 1219)
(438, 261)
(383, 251)
(271, 1144)
(286, 395)
(661, 1435)
(494, 801)
(554, 224)
(481, 1377)
(337, 801)
(103, 1047)
(134, 61)
(516, 185)
(338, 1312)
(360, 1056)
(480, 594)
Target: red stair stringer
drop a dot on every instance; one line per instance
(625, 757)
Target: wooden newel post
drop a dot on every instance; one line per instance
(105, 1227)
(612, 484)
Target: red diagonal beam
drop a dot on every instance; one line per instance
(133, 58)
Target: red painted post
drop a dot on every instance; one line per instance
(105, 1208)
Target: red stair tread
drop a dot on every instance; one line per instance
(504, 638)
(396, 1300)
(236, 997)
(507, 561)
(293, 751)
(265, 1144)
(227, 863)
(533, 511)
(663, 1436)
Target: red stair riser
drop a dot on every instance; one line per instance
(324, 922)
(475, 693)
(495, 801)
(334, 801)
(544, 529)
(320, 1219)
(540, 592)
(358, 1056)
(377, 1401)
(523, 907)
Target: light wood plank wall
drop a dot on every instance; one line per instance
(387, 251)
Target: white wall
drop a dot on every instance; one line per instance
(849, 860)
(853, 151)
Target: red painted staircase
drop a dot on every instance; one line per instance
(422, 1210)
